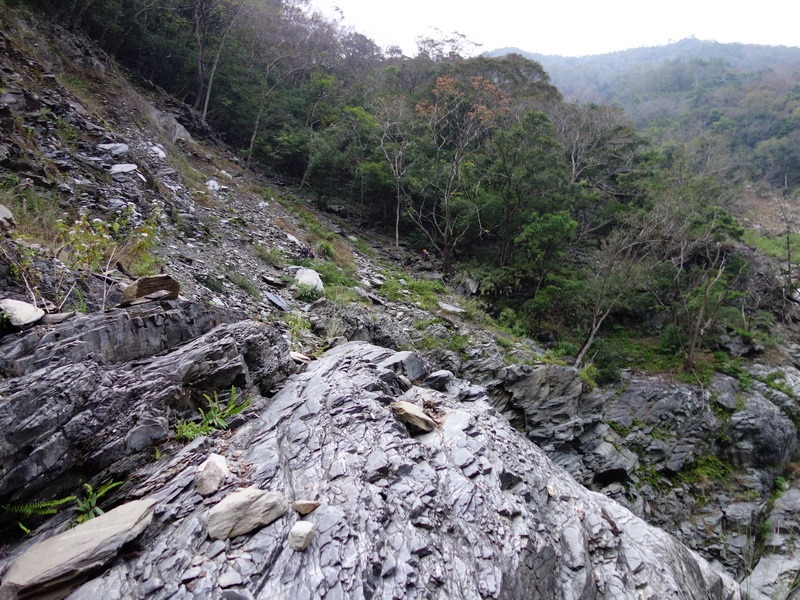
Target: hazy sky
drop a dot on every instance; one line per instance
(572, 28)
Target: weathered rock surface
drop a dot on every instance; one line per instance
(110, 382)
(775, 574)
(50, 567)
(155, 287)
(469, 510)
(413, 415)
(300, 535)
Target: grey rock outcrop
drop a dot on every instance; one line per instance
(774, 576)
(111, 381)
(469, 510)
(761, 435)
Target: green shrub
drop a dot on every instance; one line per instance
(213, 417)
(271, 256)
(588, 375)
(307, 293)
(244, 284)
(87, 507)
(325, 250)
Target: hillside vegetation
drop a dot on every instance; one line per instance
(603, 236)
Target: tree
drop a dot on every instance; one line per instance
(697, 271)
(527, 178)
(395, 122)
(455, 123)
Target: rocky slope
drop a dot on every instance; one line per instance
(97, 396)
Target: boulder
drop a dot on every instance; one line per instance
(413, 415)
(761, 435)
(304, 507)
(169, 126)
(300, 536)
(20, 313)
(309, 277)
(146, 289)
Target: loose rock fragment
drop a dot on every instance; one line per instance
(21, 313)
(243, 511)
(303, 507)
(7, 222)
(211, 474)
(156, 287)
(413, 415)
(84, 548)
(301, 535)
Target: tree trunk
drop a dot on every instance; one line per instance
(200, 37)
(255, 132)
(76, 22)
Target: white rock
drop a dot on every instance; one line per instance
(211, 474)
(114, 149)
(157, 151)
(123, 168)
(309, 277)
(413, 415)
(243, 511)
(215, 186)
(21, 313)
(450, 308)
(301, 535)
(7, 222)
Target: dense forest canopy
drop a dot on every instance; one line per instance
(577, 217)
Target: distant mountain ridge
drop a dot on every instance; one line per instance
(595, 77)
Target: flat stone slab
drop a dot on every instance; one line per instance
(85, 547)
(277, 301)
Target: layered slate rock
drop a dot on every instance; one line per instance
(98, 390)
(469, 510)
